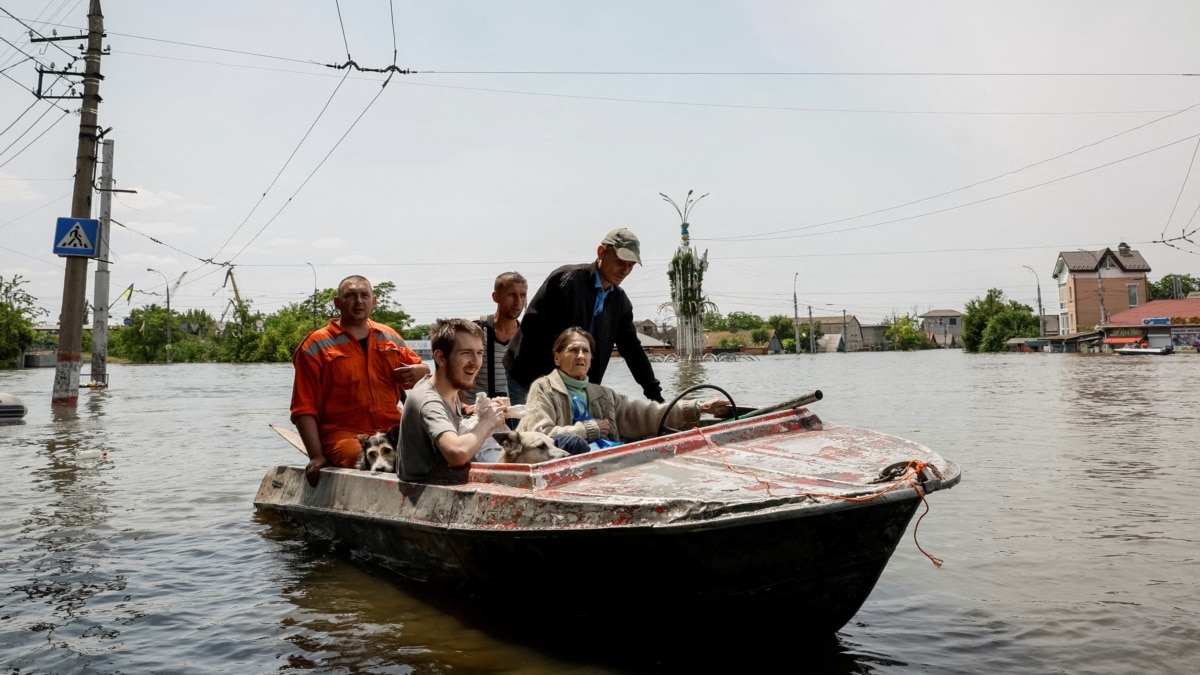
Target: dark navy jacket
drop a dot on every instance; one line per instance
(567, 299)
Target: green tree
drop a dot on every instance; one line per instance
(744, 321)
(418, 331)
(284, 330)
(781, 325)
(904, 333)
(145, 339)
(760, 336)
(817, 334)
(387, 310)
(18, 311)
(979, 312)
(1164, 289)
(1015, 320)
(240, 341)
(713, 322)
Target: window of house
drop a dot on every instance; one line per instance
(1133, 296)
(953, 320)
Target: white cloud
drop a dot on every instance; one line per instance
(329, 242)
(16, 190)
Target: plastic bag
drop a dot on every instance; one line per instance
(490, 450)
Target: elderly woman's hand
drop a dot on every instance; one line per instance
(718, 407)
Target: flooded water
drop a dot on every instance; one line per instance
(1070, 546)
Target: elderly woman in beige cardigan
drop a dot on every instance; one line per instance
(565, 403)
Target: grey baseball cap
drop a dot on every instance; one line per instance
(625, 243)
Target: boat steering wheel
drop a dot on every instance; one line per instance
(662, 422)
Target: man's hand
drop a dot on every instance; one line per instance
(313, 471)
(407, 376)
(718, 407)
(605, 427)
(491, 417)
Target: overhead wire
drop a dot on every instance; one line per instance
(1005, 174)
(282, 168)
(958, 206)
(1182, 185)
(30, 143)
(315, 169)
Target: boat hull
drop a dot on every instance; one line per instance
(645, 528)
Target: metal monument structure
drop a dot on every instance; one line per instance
(688, 301)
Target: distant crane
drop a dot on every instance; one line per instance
(237, 301)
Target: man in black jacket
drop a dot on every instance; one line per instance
(588, 296)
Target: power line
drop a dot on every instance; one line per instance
(285, 166)
(314, 171)
(1181, 187)
(35, 140)
(30, 213)
(958, 189)
(35, 32)
(798, 73)
(345, 42)
(159, 241)
(972, 203)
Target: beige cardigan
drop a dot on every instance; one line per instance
(549, 407)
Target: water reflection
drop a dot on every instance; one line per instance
(59, 566)
(688, 374)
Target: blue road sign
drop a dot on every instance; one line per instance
(76, 236)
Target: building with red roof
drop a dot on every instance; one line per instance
(1158, 323)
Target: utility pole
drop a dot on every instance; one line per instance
(1100, 286)
(795, 313)
(313, 296)
(100, 290)
(1041, 318)
(167, 285)
(70, 330)
(812, 334)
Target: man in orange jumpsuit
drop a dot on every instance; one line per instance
(348, 380)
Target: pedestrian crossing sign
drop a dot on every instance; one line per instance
(77, 237)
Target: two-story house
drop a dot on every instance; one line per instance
(1094, 285)
(944, 327)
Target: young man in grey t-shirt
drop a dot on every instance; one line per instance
(429, 434)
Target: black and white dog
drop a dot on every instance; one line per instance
(379, 451)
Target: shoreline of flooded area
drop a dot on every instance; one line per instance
(1070, 544)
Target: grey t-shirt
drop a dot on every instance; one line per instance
(426, 416)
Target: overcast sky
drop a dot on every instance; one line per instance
(531, 128)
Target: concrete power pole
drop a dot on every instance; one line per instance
(812, 334)
(795, 313)
(100, 290)
(70, 334)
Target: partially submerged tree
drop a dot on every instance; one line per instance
(1011, 319)
(903, 333)
(18, 312)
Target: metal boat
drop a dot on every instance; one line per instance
(775, 513)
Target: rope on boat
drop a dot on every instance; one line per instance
(912, 473)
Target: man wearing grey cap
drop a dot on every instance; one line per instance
(588, 296)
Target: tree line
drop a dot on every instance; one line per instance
(246, 335)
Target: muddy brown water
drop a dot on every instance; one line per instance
(1070, 546)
